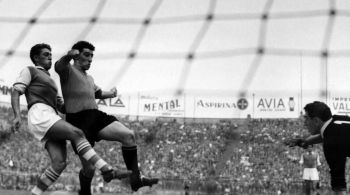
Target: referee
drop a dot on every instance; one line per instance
(334, 133)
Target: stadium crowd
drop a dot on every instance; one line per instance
(260, 162)
(182, 152)
(179, 153)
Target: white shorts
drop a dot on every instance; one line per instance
(310, 174)
(41, 117)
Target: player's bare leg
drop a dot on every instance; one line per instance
(58, 153)
(65, 131)
(116, 131)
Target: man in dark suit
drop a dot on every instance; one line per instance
(334, 133)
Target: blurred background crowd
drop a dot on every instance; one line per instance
(228, 157)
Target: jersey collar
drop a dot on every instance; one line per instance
(325, 125)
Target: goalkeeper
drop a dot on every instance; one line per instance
(79, 92)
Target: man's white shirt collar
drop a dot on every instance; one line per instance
(325, 125)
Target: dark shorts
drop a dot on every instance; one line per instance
(91, 122)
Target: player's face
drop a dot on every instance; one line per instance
(44, 59)
(85, 59)
(313, 125)
(309, 149)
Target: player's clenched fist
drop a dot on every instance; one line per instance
(73, 53)
(296, 142)
(114, 92)
(16, 123)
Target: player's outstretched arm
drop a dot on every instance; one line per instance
(16, 109)
(313, 139)
(295, 142)
(304, 142)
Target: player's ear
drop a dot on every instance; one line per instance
(76, 57)
(36, 58)
(318, 121)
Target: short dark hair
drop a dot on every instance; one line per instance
(318, 109)
(36, 49)
(80, 45)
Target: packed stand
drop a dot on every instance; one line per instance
(169, 150)
(261, 162)
(180, 154)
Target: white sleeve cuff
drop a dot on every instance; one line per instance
(23, 80)
(20, 87)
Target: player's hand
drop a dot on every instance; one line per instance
(114, 92)
(16, 123)
(74, 53)
(296, 142)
